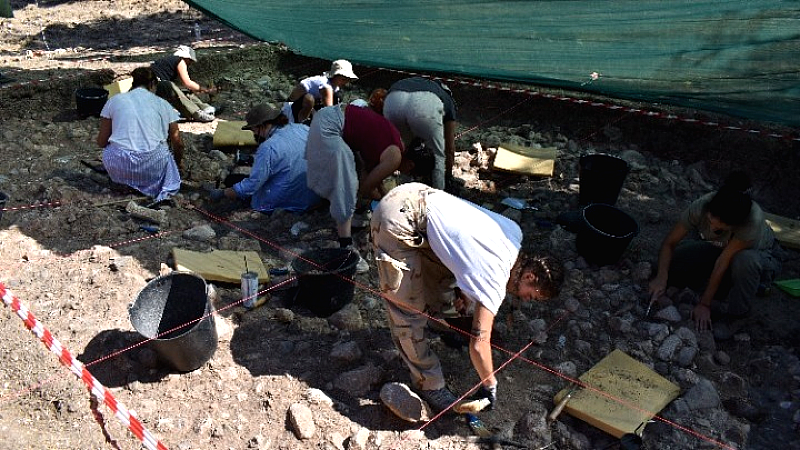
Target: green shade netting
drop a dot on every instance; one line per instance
(740, 58)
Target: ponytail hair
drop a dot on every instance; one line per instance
(548, 269)
(732, 203)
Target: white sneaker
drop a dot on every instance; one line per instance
(202, 116)
(210, 110)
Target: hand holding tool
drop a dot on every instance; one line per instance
(561, 404)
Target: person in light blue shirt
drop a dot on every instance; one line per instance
(278, 177)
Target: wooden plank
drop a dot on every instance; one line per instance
(229, 133)
(787, 230)
(225, 266)
(621, 394)
(525, 160)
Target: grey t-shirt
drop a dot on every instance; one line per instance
(420, 84)
(755, 229)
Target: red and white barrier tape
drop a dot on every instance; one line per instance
(128, 418)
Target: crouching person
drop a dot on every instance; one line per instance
(278, 177)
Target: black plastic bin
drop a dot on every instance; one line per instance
(324, 283)
(601, 178)
(177, 304)
(90, 101)
(605, 233)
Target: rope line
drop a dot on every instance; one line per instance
(128, 418)
(514, 355)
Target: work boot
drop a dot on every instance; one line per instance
(438, 399)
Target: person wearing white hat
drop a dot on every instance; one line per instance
(316, 92)
(175, 67)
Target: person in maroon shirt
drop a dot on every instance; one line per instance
(351, 150)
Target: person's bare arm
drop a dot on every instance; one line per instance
(480, 348)
(449, 145)
(702, 311)
(659, 284)
(327, 96)
(105, 132)
(389, 162)
(176, 143)
(183, 75)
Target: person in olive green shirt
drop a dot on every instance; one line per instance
(730, 251)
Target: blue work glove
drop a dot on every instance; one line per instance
(216, 194)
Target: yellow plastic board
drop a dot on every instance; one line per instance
(525, 160)
(229, 133)
(787, 231)
(220, 265)
(119, 86)
(620, 395)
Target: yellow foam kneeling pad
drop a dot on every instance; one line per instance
(229, 133)
(119, 86)
(620, 395)
(525, 160)
(220, 265)
(787, 231)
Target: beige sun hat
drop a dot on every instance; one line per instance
(341, 67)
(184, 51)
(260, 114)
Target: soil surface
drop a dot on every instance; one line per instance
(280, 376)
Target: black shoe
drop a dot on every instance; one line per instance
(439, 399)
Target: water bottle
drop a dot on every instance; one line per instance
(196, 30)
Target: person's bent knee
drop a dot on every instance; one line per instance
(746, 263)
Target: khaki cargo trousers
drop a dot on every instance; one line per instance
(414, 282)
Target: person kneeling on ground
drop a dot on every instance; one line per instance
(424, 241)
(730, 251)
(351, 150)
(137, 129)
(314, 93)
(175, 68)
(278, 176)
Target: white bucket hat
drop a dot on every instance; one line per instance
(184, 51)
(341, 67)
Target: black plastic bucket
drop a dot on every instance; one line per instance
(3, 200)
(177, 304)
(601, 178)
(605, 233)
(90, 101)
(324, 283)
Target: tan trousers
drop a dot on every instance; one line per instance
(414, 282)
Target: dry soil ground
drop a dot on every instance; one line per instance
(79, 263)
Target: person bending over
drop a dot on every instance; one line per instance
(174, 68)
(351, 150)
(319, 91)
(425, 240)
(424, 109)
